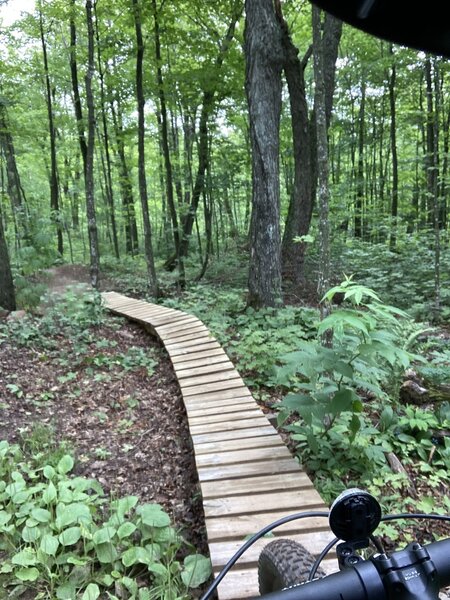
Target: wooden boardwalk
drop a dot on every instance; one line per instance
(248, 477)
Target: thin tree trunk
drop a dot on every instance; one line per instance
(126, 187)
(54, 184)
(166, 151)
(359, 194)
(15, 190)
(108, 170)
(393, 138)
(7, 294)
(304, 138)
(89, 167)
(323, 192)
(75, 85)
(151, 272)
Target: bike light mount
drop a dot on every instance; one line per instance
(354, 516)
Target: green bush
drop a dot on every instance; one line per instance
(62, 538)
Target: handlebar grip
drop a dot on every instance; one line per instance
(361, 582)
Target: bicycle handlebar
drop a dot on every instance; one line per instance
(415, 573)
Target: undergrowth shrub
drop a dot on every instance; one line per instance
(339, 409)
(404, 278)
(62, 538)
(73, 315)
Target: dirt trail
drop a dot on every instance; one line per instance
(58, 279)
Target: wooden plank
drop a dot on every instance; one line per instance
(222, 409)
(194, 346)
(124, 303)
(218, 472)
(194, 328)
(215, 399)
(220, 395)
(253, 412)
(220, 436)
(255, 485)
(184, 336)
(204, 338)
(289, 501)
(186, 358)
(201, 363)
(219, 367)
(243, 583)
(267, 441)
(228, 425)
(171, 319)
(243, 423)
(147, 312)
(184, 321)
(199, 380)
(243, 525)
(236, 456)
(220, 386)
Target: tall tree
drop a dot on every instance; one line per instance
(148, 247)
(360, 172)
(14, 186)
(106, 144)
(89, 166)
(323, 191)
(54, 183)
(393, 137)
(7, 294)
(264, 62)
(166, 150)
(75, 84)
(303, 122)
(126, 186)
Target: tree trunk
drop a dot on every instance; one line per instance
(126, 187)
(7, 295)
(264, 61)
(359, 192)
(151, 272)
(301, 201)
(75, 86)
(89, 167)
(108, 173)
(323, 193)
(166, 151)
(393, 138)
(433, 175)
(54, 184)
(14, 186)
(304, 138)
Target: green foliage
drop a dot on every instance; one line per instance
(72, 315)
(405, 277)
(62, 539)
(259, 336)
(338, 435)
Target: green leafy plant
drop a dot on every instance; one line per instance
(330, 385)
(62, 539)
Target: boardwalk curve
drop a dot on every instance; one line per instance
(248, 477)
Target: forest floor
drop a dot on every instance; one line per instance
(127, 429)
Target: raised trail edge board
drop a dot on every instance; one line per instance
(248, 477)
